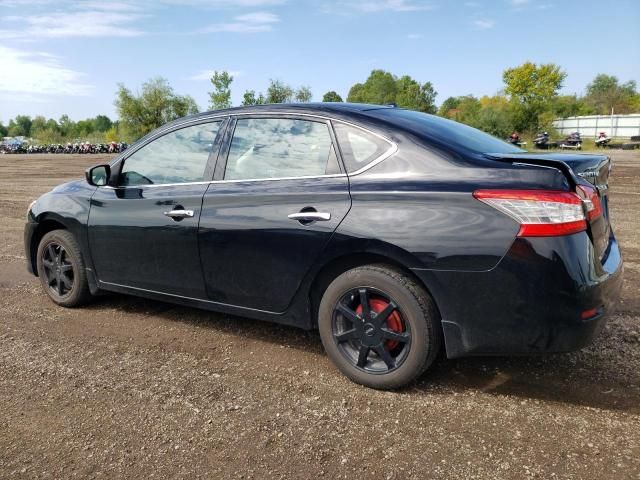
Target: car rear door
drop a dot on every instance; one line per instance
(279, 195)
(143, 230)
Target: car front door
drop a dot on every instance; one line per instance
(275, 203)
(143, 229)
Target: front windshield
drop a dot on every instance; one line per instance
(448, 131)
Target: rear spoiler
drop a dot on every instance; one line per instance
(576, 168)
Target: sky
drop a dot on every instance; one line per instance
(63, 57)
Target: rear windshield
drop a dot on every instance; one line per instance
(447, 131)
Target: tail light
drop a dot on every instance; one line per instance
(591, 201)
(540, 213)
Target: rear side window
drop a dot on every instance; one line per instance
(279, 147)
(358, 147)
(177, 157)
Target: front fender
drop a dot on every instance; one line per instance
(66, 206)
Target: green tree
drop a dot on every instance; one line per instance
(84, 128)
(112, 135)
(66, 125)
(155, 106)
(448, 106)
(356, 93)
(530, 83)
(410, 94)
(303, 94)
(468, 110)
(570, 106)
(279, 92)
(331, 96)
(4, 131)
(384, 88)
(494, 121)
(531, 88)
(494, 117)
(49, 135)
(249, 98)
(38, 124)
(102, 123)
(221, 95)
(380, 88)
(605, 93)
(20, 126)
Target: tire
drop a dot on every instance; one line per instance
(402, 310)
(61, 269)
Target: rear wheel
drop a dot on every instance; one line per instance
(379, 327)
(61, 269)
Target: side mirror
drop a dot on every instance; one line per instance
(98, 176)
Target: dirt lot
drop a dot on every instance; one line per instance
(131, 388)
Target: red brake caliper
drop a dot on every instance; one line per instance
(394, 322)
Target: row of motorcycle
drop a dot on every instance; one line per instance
(82, 147)
(572, 141)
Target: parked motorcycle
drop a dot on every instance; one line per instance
(542, 140)
(573, 141)
(602, 140)
(514, 139)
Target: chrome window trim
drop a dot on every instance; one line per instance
(393, 148)
(154, 185)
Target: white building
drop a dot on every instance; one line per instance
(622, 126)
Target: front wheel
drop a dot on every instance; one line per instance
(379, 327)
(61, 269)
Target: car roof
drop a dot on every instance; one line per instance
(320, 106)
(339, 109)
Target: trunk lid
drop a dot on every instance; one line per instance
(593, 169)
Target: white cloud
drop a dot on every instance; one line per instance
(39, 19)
(139, 4)
(207, 74)
(374, 6)
(31, 74)
(254, 22)
(484, 24)
(121, 6)
(224, 3)
(74, 24)
(414, 36)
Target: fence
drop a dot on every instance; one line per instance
(623, 126)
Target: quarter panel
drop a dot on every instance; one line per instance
(420, 200)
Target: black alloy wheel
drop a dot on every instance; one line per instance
(369, 330)
(62, 270)
(379, 326)
(58, 269)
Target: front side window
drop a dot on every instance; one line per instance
(279, 147)
(178, 157)
(358, 147)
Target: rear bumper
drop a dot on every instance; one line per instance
(533, 301)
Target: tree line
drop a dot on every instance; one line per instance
(97, 129)
(528, 102)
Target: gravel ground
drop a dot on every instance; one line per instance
(132, 388)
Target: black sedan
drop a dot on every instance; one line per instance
(395, 233)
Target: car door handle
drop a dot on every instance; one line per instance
(310, 216)
(179, 213)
